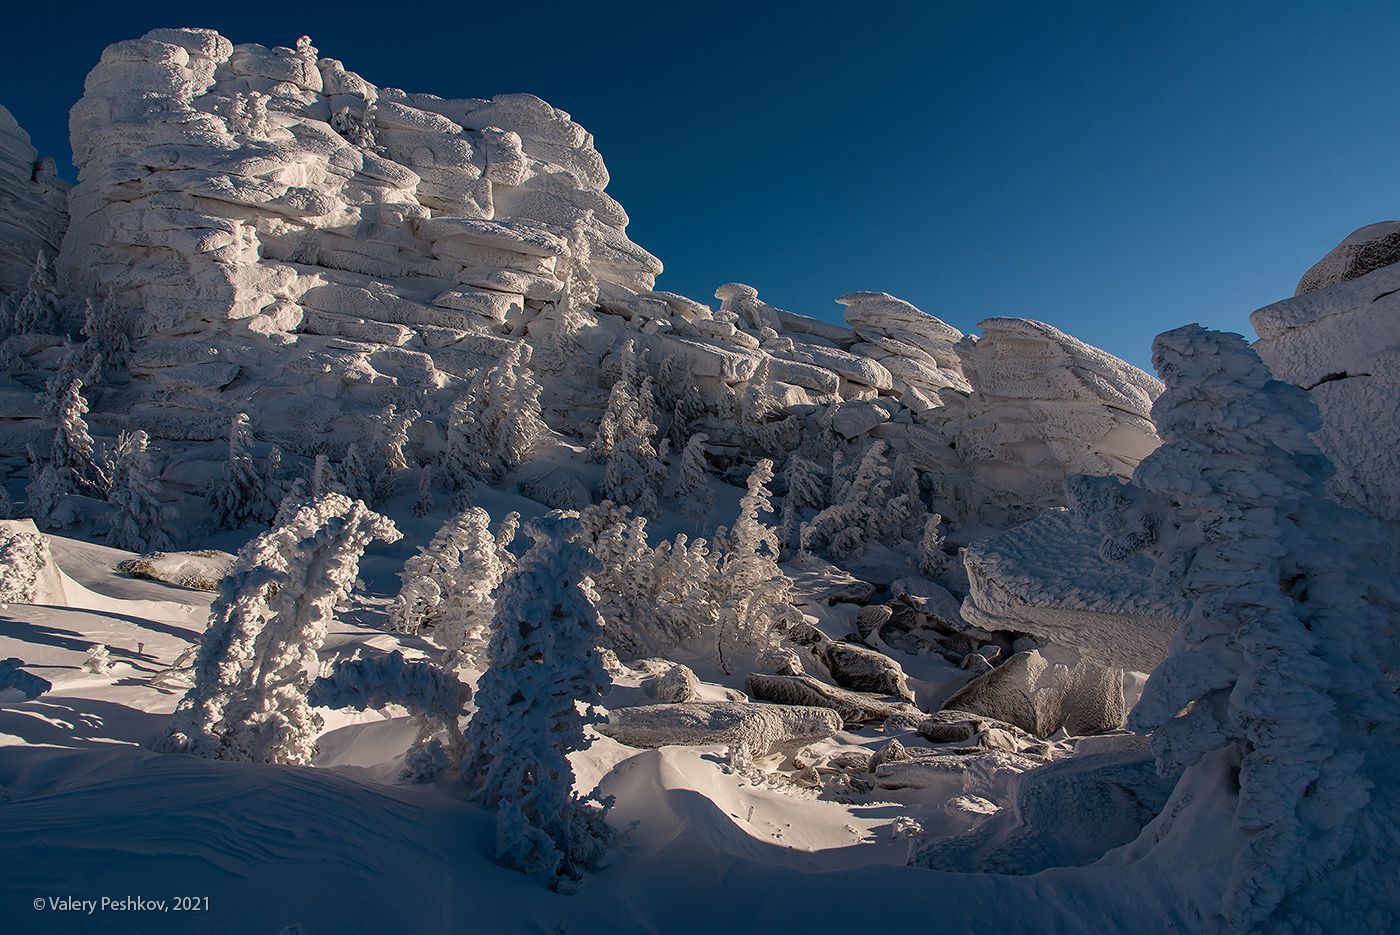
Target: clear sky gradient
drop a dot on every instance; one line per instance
(1115, 169)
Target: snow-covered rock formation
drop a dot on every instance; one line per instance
(33, 205)
(1337, 339)
(1045, 406)
(277, 221)
(299, 244)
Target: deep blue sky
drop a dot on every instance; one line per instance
(1115, 169)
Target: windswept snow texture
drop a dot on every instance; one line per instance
(1047, 578)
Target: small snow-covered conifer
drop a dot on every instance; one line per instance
(139, 521)
(37, 311)
(496, 425)
(256, 659)
(544, 680)
(806, 490)
(354, 476)
(424, 504)
(692, 488)
(755, 597)
(933, 560)
(635, 474)
(857, 515)
(98, 660)
(241, 496)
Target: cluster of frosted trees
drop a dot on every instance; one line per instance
(687, 592)
(530, 621)
(122, 474)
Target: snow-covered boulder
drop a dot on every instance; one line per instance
(762, 728)
(1047, 578)
(1338, 340)
(853, 707)
(202, 570)
(1045, 406)
(862, 669)
(33, 205)
(918, 350)
(1041, 691)
(28, 574)
(1364, 250)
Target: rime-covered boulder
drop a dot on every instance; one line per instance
(1040, 695)
(1046, 406)
(1047, 578)
(678, 684)
(762, 728)
(1363, 251)
(802, 690)
(1338, 340)
(862, 669)
(33, 205)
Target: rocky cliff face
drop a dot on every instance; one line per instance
(294, 242)
(33, 205)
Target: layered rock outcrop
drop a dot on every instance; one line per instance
(1045, 406)
(33, 205)
(292, 241)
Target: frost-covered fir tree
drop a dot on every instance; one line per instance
(1281, 678)
(98, 660)
(257, 657)
(560, 350)
(241, 496)
(681, 399)
(620, 419)
(140, 522)
(766, 427)
(72, 453)
(496, 425)
(858, 513)
(448, 585)
(806, 491)
(37, 311)
(933, 559)
(635, 473)
(424, 504)
(692, 490)
(544, 680)
(387, 454)
(354, 475)
(755, 596)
